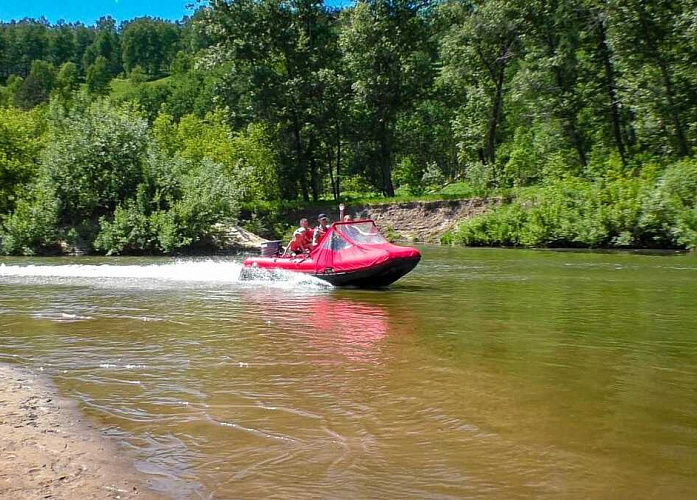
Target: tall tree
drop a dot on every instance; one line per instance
(37, 86)
(384, 47)
(98, 77)
(150, 44)
(551, 61)
(67, 81)
(61, 43)
(276, 49)
(107, 45)
(647, 39)
(478, 54)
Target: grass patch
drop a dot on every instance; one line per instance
(121, 87)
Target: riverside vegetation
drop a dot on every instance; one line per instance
(143, 137)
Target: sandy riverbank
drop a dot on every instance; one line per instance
(49, 451)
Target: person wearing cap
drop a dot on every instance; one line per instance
(320, 230)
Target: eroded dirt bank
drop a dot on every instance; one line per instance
(424, 221)
(49, 451)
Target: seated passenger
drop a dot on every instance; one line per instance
(320, 230)
(301, 241)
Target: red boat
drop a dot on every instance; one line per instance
(350, 254)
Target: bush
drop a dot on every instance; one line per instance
(177, 213)
(670, 213)
(21, 143)
(32, 227)
(95, 157)
(570, 212)
(610, 212)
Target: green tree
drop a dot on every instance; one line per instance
(106, 44)
(21, 143)
(14, 83)
(138, 76)
(552, 70)
(277, 49)
(31, 43)
(479, 54)
(647, 39)
(37, 86)
(384, 46)
(67, 81)
(94, 158)
(61, 44)
(150, 44)
(98, 77)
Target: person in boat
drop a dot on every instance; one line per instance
(301, 242)
(320, 230)
(347, 218)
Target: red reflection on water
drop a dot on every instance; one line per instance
(334, 326)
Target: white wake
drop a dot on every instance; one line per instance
(209, 271)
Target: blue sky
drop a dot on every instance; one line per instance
(88, 11)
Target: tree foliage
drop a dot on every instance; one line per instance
(582, 104)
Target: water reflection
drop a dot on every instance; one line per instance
(333, 325)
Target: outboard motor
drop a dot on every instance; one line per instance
(271, 248)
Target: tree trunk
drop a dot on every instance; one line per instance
(386, 161)
(299, 158)
(314, 174)
(338, 165)
(677, 123)
(667, 83)
(495, 114)
(611, 91)
(577, 139)
(330, 162)
(570, 123)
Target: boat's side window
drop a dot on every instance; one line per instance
(336, 242)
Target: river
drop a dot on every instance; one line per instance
(484, 373)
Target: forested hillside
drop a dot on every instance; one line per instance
(139, 137)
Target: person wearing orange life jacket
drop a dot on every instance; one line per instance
(320, 230)
(301, 241)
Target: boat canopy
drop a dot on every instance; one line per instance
(353, 245)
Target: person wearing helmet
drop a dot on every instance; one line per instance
(320, 230)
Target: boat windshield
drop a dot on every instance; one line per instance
(363, 233)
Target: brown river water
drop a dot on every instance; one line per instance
(483, 374)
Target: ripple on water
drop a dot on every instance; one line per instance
(482, 374)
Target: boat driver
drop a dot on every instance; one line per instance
(320, 230)
(302, 238)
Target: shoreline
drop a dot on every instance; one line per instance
(49, 450)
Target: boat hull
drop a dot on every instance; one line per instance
(372, 277)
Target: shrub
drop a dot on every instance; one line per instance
(95, 157)
(32, 227)
(570, 212)
(669, 213)
(177, 213)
